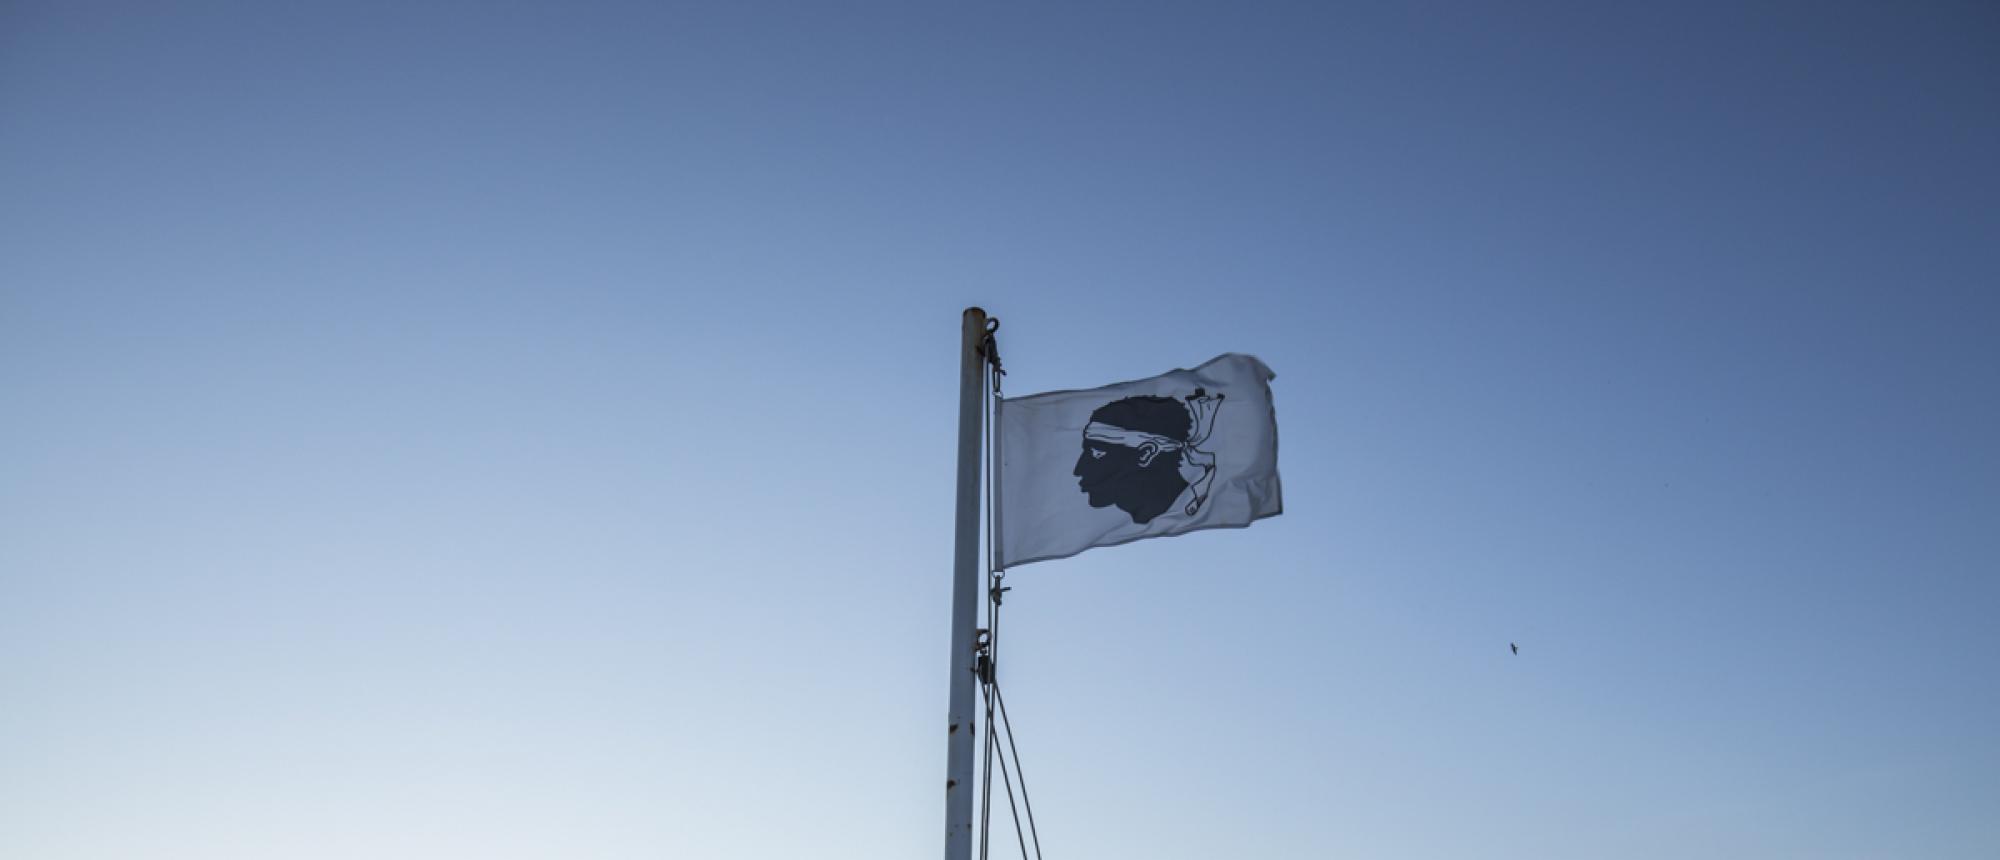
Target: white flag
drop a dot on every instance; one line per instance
(1186, 450)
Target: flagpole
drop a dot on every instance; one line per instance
(964, 593)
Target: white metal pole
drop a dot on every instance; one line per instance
(965, 593)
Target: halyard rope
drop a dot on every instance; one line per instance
(988, 658)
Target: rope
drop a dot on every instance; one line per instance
(983, 663)
(1008, 782)
(1019, 773)
(989, 655)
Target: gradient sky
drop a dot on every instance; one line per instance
(499, 430)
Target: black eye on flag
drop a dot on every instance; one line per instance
(1158, 457)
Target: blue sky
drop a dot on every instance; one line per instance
(509, 430)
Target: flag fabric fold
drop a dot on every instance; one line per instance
(1179, 452)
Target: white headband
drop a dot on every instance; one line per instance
(1116, 435)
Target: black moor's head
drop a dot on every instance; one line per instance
(1132, 451)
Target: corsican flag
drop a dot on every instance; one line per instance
(1186, 450)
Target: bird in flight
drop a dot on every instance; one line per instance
(1515, 648)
